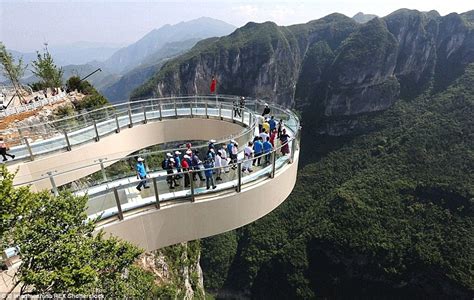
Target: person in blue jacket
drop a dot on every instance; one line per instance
(272, 123)
(141, 174)
(208, 165)
(258, 150)
(177, 161)
(267, 148)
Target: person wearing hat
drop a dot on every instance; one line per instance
(225, 162)
(171, 178)
(211, 149)
(248, 154)
(141, 174)
(165, 162)
(177, 160)
(185, 165)
(266, 110)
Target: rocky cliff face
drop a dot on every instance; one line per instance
(176, 270)
(332, 68)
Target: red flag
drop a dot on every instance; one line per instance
(213, 84)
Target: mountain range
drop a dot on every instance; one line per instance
(131, 64)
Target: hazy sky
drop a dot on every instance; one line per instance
(26, 25)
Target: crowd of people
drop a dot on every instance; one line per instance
(219, 159)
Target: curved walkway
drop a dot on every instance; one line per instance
(159, 216)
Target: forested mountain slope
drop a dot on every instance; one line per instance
(388, 214)
(333, 67)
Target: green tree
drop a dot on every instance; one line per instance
(59, 250)
(12, 70)
(45, 68)
(82, 86)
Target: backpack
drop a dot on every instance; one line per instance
(164, 164)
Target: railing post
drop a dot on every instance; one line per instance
(239, 177)
(30, 151)
(68, 143)
(220, 111)
(119, 206)
(117, 130)
(53, 183)
(293, 149)
(161, 116)
(243, 114)
(102, 169)
(232, 113)
(130, 124)
(145, 120)
(175, 109)
(191, 181)
(273, 159)
(205, 105)
(157, 196)
(97, 137)
(20, 133)
(191, 106)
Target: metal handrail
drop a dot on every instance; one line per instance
(105, 115)
(252, 125)
(249, 129)
(191, 194)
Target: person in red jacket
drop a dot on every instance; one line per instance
(185, 167)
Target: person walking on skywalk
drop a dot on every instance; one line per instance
(3, 150)
(141, 174)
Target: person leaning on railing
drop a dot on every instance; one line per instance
(3, 150)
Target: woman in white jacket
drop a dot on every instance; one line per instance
(225, 162)
(218, 163)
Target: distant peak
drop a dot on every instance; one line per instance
(360, 17)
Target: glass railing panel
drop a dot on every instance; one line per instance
(102, 203)
(183, 108)
(167, 110)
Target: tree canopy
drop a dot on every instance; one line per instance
(46, 70)
(59, 250)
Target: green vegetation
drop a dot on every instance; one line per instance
(47, 71)
(217, 255)
(11, 70)
(182, 260)
(389, 212)
(263, 38)
(60, 253)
